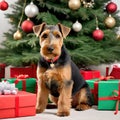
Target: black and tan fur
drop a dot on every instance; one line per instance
(62, 81)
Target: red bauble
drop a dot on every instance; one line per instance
(111, 7)
(27, 26)
(98, 34)
(4, 5)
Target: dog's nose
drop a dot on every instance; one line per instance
(50, 48)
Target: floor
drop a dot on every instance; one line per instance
(91, 114)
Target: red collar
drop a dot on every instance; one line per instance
(52, 60)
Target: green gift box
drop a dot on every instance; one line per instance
(109, 95)
(93, 84)
(27, 84)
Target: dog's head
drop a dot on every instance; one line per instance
(51, 39)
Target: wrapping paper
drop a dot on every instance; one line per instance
(2, 70)
(90, 74)
(29, 70)
(113, 70)
(109, 95)
(22, 104)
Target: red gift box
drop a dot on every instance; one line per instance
(90, 74)
(30, 70)
(22, 104)
(115, 72)
(2, 70)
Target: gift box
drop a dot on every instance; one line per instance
(93, 84)
(24, 84)
(109, 95)
(2, 70)
(115, 72)
(29, 70)
(22, 104)
(90, 74)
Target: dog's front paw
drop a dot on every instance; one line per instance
(38, 110)
(62, 114)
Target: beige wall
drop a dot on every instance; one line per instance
(4, 22)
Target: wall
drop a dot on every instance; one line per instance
(4, 22)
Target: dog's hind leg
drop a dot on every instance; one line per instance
(84, 99)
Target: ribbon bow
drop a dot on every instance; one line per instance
(22, 78)
(105, 78)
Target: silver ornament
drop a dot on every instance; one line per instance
(77, 26)
(31, 10)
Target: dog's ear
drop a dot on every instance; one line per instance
(37, 29)
(64, 30)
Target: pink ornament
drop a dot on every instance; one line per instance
(111, 7)
(27, 26)
(4, 5)
(98, 34)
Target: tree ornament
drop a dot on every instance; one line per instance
(27, 26)
(77, 26)
(11, 20)
(98, 34)
(17, 35)
(111, 7)
(110, 22)
(31, 10)
(88, 3)
(4, 5)
(74, 4)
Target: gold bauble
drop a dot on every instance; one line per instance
(17, 35)
(110, 21)
(74, 4)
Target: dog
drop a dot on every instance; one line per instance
(58, 76)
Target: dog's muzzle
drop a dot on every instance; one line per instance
(50, 48)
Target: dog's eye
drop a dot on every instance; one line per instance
(57, 36)
(44, 36)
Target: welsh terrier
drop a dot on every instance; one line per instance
(57, 74)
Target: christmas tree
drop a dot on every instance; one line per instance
(92, 40)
